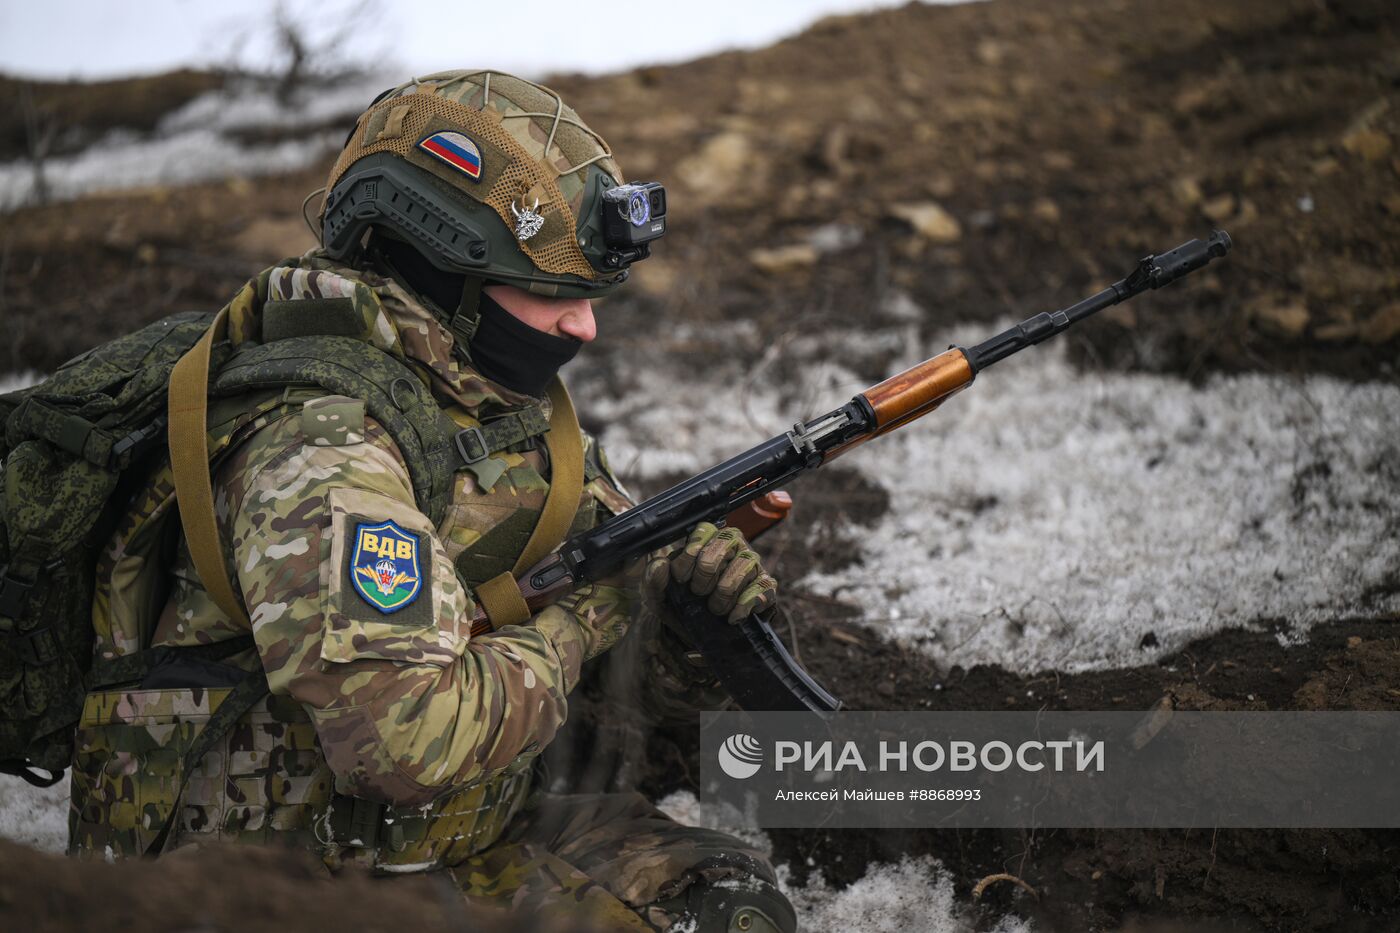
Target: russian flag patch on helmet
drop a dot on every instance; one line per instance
(456, 150)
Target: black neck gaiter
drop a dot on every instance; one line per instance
(504, 349)
(510, 352)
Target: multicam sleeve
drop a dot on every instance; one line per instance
(358, 614)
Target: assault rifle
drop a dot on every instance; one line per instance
(747, 657)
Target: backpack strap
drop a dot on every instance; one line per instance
(189, 466)
(395, 395)
(477, 443)
(500, 596)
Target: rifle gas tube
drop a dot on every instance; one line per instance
(747, 657)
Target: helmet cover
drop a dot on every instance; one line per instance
(486, 174)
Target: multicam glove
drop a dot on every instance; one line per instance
(719, 564)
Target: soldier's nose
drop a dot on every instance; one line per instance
(578, 322)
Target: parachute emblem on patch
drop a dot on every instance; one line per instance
(384, 566)
(456, 150)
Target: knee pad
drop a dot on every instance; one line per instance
(732, 905)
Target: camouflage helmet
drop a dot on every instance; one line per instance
(486, 175)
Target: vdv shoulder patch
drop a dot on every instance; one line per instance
(384, 566)
(456, 150)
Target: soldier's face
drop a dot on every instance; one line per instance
(560, 317)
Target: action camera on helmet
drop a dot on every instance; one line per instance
(633, 216)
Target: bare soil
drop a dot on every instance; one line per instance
(986, 161)
(1064, 139)
(1103, 879)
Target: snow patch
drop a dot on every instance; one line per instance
(34, 816)
(200, 142)
(914, 894)
(199, 155)
(684, 807)
(1056, 519)
(14, 381)
(247, 107)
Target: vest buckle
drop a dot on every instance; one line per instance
(471, 445)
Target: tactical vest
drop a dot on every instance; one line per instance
(146, 774)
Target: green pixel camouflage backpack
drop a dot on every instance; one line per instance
(68, 445)
(77, 449)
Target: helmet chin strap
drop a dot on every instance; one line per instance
(467, 317)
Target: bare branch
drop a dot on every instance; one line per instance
(40, 127)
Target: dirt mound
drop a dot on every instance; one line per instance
(1002, 158)
(986, 160)
(230, 888)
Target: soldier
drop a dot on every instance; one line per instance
(463, 237)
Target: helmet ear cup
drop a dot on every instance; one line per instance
(384, 191)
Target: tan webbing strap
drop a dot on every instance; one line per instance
(499, 596)
(189, 464)
(565, 444)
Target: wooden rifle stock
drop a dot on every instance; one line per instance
(907, 396)
(756, 517)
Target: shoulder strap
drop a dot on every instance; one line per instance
(189, 465)
(565, 444)
(395, 395)
(500, 596)
(189, 458)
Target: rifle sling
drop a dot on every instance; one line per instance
(189, 466)
(500, 596)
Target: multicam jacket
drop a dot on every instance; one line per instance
(391, 738)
